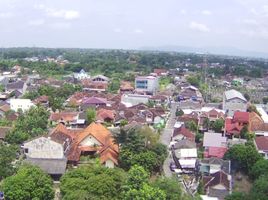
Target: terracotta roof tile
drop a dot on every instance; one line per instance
(262, 143)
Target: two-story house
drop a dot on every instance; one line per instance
(233, 101)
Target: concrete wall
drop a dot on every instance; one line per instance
(43, 147)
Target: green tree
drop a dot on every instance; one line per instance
(244, 132)
(137, 176)
(236, 196)
(7, 156)
(146, 192)
(123, 122)
(30, 124)
(243, 157)
(29, 183)
(206, 123)
(252, 108)
(114, 86)
(149, 135)
(201, 188)
(259, 189)
(147, 159)
(170, 187)
(56, 103)
(150, 104)
(194, 80)
(258, 169)
(93, 182)
(161, 151)
(91, 115)
(179, 112)
(192, 126)
(218, 125)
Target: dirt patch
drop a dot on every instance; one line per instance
(241, 183)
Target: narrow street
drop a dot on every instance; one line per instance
(166, 136)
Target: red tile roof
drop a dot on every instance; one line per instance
(65, 116)
(94, 100)
(185, 132)
(242, 117)
(262, 143)
(104, 114)
(100, 133)
(41, 99)
(217, 152)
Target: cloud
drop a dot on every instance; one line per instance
(6, 15)
(183, 12)
(65, 14)
(198, 27)
(117, 30)
(138, 31)
(36, 22)
(206, 12)
(250, 22)
(58, 13)
(60, 26)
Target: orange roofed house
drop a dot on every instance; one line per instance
(95, 139)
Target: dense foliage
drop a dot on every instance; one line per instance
(170, 186)
(29, 124)
(140, 147)
(243, 157)
(95, 182)
(7, 156)
(56, 96)
(29, 183)
(120, 62)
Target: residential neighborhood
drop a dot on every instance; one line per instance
(83, 122)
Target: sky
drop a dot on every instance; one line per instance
(132, 24)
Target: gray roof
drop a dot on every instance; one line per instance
(231, 94)
(214, 140)
(51, 166)
(184, 144)
(15, 85)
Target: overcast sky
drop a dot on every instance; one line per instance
(132, 24)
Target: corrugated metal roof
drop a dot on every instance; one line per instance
(230, 94)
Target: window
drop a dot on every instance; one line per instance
(142, 84)
(26, 150)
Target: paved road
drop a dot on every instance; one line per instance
(166, 136)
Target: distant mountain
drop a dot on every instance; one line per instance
(225, 50)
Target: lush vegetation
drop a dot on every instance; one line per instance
(56, 96)
(245, 158)
(94, 182)
(98, 182)
(30, 124)
(140, 147)
(7, 156)
(28, 183)
(115, 63)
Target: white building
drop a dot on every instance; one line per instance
(81, 75)
(148, 84)
(233, 101)
(23, 104)
(47, 154)
(134, 99)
